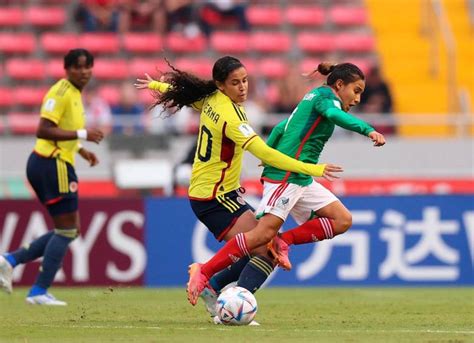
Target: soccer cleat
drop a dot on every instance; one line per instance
(209, 297)
(45, 299)
(280, 249)
(196, 284)
(217, 321)
(6, 273)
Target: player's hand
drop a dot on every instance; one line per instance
(89, 156)
(377, 138)
(94, 135)
(330, 170)
(143, 83)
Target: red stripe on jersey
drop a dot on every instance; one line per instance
(280, 191)
(227, 154)
(306, 137)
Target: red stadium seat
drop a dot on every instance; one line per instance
(355, 42)
(17, 42)
(55, 69)
(59, 43)
(305, 16)
(146, 97)
(25, 69)
(230, 42)
(29, 96)
(100, 42)
(264, 16)
(177, 42)
(142, 42)
(364, 64)
(139, 66)
(45, 16)
(6, 97)
(199, 66)
(270, 42)
(11, 16)
(313, 42)
(273, 68)
(250, 65)
(22, 123)
(111, 94)
(346, 16)
(110, 69)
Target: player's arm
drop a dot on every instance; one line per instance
(349, 122)
(276, 133)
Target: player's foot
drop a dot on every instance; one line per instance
(217, 321)
(6, 272)
(196, 284)
(45, 299)
(280, 249)
(209, 297)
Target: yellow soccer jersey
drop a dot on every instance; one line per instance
(224, 133)
(63, 106)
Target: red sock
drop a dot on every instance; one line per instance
(313, 230)
(233, 250)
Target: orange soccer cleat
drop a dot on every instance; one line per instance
(280, 249)
(196, 284)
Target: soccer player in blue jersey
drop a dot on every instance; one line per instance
(301, 136)
(50, 171)
(224, 134)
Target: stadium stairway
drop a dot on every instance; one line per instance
(405, 55)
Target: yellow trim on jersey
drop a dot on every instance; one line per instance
(62, 176)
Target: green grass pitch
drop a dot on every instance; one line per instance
(285, 314)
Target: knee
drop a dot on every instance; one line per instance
(343, 223)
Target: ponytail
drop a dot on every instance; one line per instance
(347, 72)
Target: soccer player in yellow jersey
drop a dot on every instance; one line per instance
(50, 171)
(224, 134)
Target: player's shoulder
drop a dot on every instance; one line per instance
(324, 96)
(232, 112)
(61, 89)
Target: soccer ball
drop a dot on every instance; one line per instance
(236, 306)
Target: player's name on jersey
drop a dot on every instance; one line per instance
(212, 114)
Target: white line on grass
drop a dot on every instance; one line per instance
(223, 328)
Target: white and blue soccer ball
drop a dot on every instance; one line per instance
(236, 306)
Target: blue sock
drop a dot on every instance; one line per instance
(52, 259)
(255, 273)
(30, 252)
(11, 259)
(36, 290)
(228, 275)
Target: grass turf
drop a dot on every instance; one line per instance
(285, 314)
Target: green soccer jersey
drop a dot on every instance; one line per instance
(304, 134)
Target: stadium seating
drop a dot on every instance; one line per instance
(144, 42)
(42, 16)
(230, 42)
(55, 68)
(354, 42)
(272, 68)
(100, 42)
(313, 42)
(11, 43)
(58, 43)
(25, 69)
(346, 16)
(110, 69)
(264, 16)
(110, 93)
(29, 96)
(305, 15)
(265, 42)
(6, 97)
(200, 66)
(22, 123)
(11, 16)
(179, 43)
(139, 66)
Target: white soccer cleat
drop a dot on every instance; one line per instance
(45, 299)
(210, 300)
(6, 272)
(217, 321)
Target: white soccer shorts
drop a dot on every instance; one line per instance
(281, 199)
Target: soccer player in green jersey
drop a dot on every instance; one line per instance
(302, 136)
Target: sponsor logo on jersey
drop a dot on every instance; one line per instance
(73, 187)
(240, 200)
(49, 105)
(309, 96)
(246, 130)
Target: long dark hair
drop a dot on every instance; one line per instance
(187, 88)
(347, 72)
